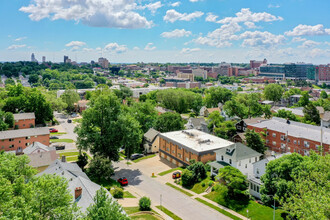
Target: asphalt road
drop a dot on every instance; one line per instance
(177, 202)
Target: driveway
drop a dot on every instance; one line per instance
(180, 204)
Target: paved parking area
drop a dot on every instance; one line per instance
(153, 165)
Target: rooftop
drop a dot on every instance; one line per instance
(195, 141)
(151, 134)
(295, 111)
(295, 129)
(238, 151)
(23, 116)
(35, 146)
(23, 133)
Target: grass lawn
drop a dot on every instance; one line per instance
(132, 210)
(169, 213)
(143, 158)
(179, 189)
(218, 209)
(61, 140)
(316, 87)
(72, 158)
(144, 217)
(128, 195)
(77, 120)
(57, 133)
(199, 188)
(256, 210)
(170, 171)
(75, 153)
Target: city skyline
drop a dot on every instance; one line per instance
(166, 31)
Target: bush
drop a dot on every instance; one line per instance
(187, 178)
(118, 192)
(210, 183)
(199, 171)
(203, 184)
(144, 204)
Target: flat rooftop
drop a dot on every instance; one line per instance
(23, 133)
(24, 116)
(196, 141)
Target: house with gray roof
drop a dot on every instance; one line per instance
(197, 123)
(80, 186)
(40, 155)
(151, 141)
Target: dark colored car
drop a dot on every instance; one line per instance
(123, 181)
(52, 130)
(53, 137)
(176, 175)
(60, 147)
(136, 156)
(69, 120)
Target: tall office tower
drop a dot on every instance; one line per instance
(33, 58)
(43, 59)
(66, 59)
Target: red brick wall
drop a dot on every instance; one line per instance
(22, 124)
(294, 144)
(22, 142)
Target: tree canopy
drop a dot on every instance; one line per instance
(169, 121)
(255, 141)
(273, 92)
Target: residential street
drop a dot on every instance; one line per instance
(180, 204)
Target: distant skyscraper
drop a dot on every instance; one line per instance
(103, 62)
(43, 59)
(33, 58)
(66, 59)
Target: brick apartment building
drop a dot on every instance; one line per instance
(179, 147)
(323, 72)
(24, 120)
(289, 136)
(17, 140)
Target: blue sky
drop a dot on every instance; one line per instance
(166, 31)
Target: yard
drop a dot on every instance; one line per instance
(61, 140)
(203, 185)
(170, 171)
(145, 157)
(134, 213)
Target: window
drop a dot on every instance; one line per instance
(221, 157)
(288, 140)
(239, 163)
(250, 160)
(267, 133)
(229, 161)
(306, 143)
(283, 145)
(245, 165)
(257, 170)
(274, 135)
(187, 159)
(282, 137)
(267, 141)
(258, 189)
(11, 139)
(23, 125)
(11, 146)
(298, 142)
(251, 185)
(173, 151)
(255, 159)
(27, 144)
(3, 147)
(294, 141)
(28, 137)
(180, 148)
(167, 149)
(179, 155)
(274, 143)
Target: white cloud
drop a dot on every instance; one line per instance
(308, 30)
(211, 17)
(150, 47)
(316, 52)
(96, 13)
(20, 38)
(16, 46)
(309, 44)
(172, 16)
(176, 33)
(153, 7)
(194, 0)
(115, 47)
(136, 48)
(189, 50)
(274, 6)
(298, 39)
(261, 39)
(327, 43)
(75, 44)
(176, 4)
(246, 15)
(250, 25)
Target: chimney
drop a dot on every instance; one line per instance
(63, 159)
(77, 192)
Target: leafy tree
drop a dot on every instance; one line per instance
(69, 97)
(282, 113)
(187, 178)
(143, 98)
(105, 207)
(273, 92)
(37, 103)
(311, 114)
(33, 78)
(219, 127)
(255, 141)
(145, 203)
(199, 171)
(118, 192)
(82, 160)
(100, 168)
(10, 81)
(323, 95)
(145, 113)
(304, 100)
(216, 95)
(234, 108)
(267, 111)
(9, 119)
(169, 121)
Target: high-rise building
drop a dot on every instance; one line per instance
(43, 59)
(256, 64)
(287, 70)
(33, 58)
(66, 59)
(323, 72)
(103, 62)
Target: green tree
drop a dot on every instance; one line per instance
(169, 121)
(82, 160)
(100, 168)
(255, 141)
(234, 108)
(282, 113)
(199, 171)
(216, 95)
(10, 81)
(9, 119)
(187, 178)
(144, 204)
(323, 95)
(311, 114)
(143, 98)
(36, 102)
(69, 97)
(145, 113)
(219, 127)
(33, 78)
(304, 100)
(273, 92)
(105, 207)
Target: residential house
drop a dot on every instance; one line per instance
(289, 136)
(179, 147)
(197, 123)
(24, 120)
(325, 119)
(294, 99)
(208, 111)
(151, 141)
(241, 126)
(236, 155)
(17, 140)
(40, 155)
(296, 111)
(82, 189)
(202, 110)
(81, 105)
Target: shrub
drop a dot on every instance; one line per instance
(187, 178)
(203, 184)
(144, 204)
(210, 183)
(199, 171)
(118, 192)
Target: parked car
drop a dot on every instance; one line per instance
(69, 120)
(54, 137)
(60, 147)
(176, 175)
(53, 130)
(73, 115)
(136, 156)
(123, 181)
